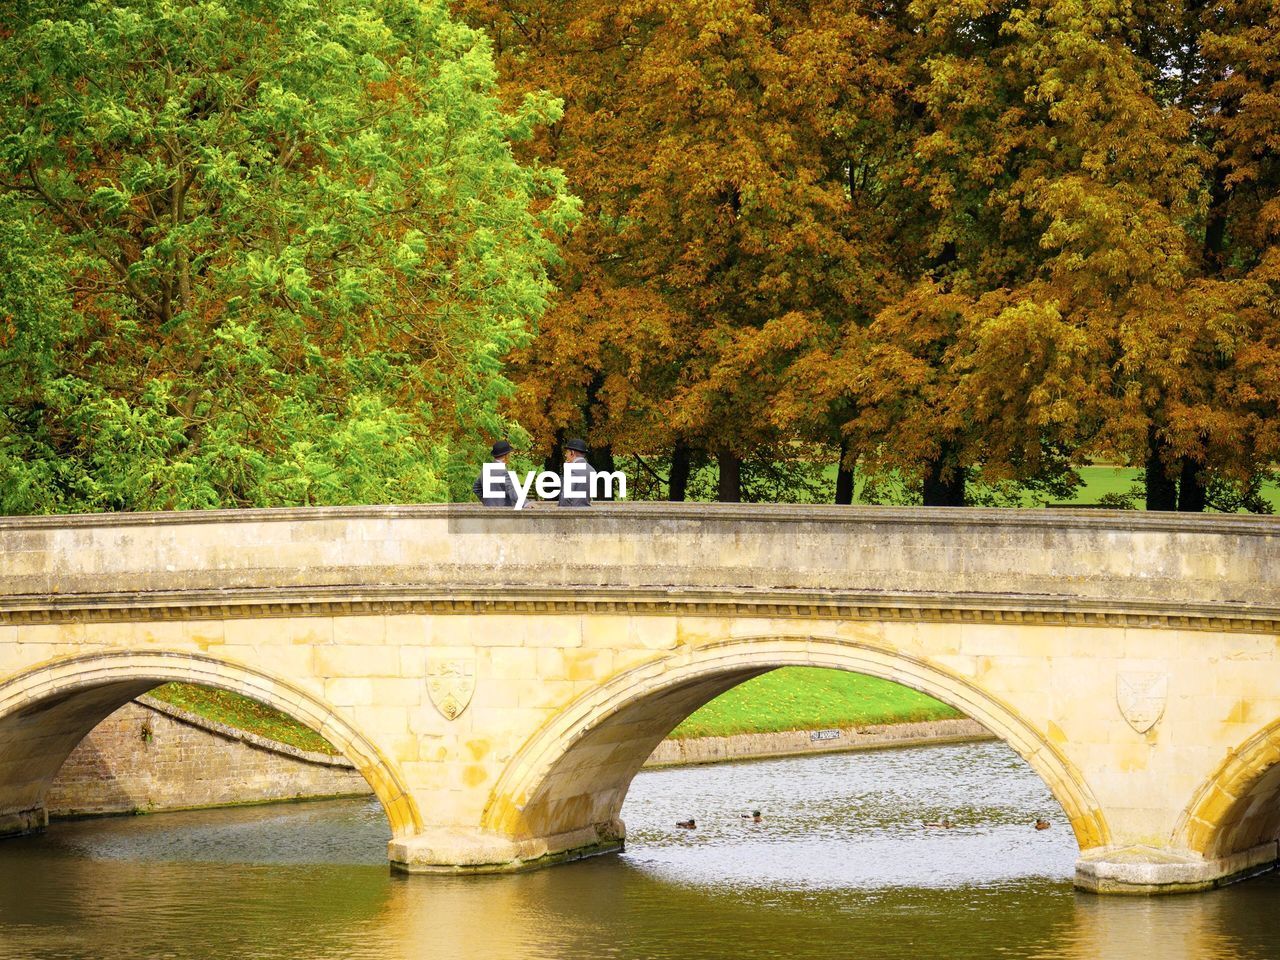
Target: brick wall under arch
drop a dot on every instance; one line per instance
(47, 710)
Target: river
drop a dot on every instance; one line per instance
(840, 866)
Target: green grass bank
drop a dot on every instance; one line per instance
(243, 713)
(808, 698)
(791, 698)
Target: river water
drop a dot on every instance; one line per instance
(841, 866)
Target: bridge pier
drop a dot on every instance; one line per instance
(1142, 871)
(20, 823)
(454, 850)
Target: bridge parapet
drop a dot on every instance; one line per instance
(1078, 566)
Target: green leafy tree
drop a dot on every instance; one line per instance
(265, 251)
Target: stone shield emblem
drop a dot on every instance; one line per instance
(1141, 698)
(450, 683)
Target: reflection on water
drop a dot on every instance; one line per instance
(841, 866)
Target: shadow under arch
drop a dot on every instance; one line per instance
(574, 773)
(1237, 809)
(46, 710)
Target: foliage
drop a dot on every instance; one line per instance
(1252, 495)
(801, 478)
(258, 253)
(715, 240)
(966, 246)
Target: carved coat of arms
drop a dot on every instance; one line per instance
(450, 683)
(1141, 698)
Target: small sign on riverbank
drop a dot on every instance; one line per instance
(816, 735)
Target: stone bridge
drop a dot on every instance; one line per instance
(499, 678)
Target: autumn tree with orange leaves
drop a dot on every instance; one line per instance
(964, 246)
(731, 216)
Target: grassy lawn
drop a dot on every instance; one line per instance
(792, 698)
(242, 713)
(1097, 481)
(807, 698)
(1100, 481)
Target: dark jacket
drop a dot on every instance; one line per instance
(509, 496)
(582, 472)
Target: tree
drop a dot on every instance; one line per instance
(717, 214)
(295, 243)
(1193, 357)
(1047, 187)
(604, 350)
(963, 246)
(1228, 432)
(35, 317)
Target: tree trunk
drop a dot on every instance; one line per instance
(1192, 494)
(555, 459)
(1215, 228)
(678, 477)
(730, 489)
(601, 458)
(844, 476)
(940, 490)
(1162, 492)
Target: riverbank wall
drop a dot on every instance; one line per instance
(789, 743)
(150, 756)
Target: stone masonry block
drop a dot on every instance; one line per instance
(360, 631)
(352, 660)
(511, 663)
(349, 691)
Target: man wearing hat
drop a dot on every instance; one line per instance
(575, 479)
(500, 478)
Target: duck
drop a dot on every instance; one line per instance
(946, 823)
(689, 824)
(1042, 824)
(753, 816)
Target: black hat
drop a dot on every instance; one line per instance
(576, 444)
(501, 448)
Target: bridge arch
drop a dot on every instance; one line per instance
(1237, 809)
(46, 710)
(570, 779)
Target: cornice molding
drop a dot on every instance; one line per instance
(585, 600)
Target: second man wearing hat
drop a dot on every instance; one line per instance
(575, 486)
